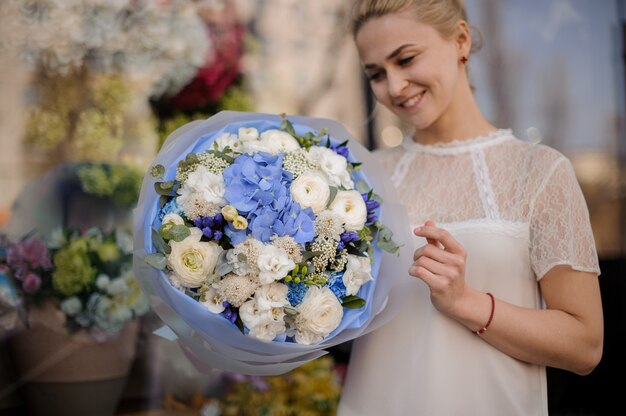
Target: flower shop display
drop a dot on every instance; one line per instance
(312, 389)
(95, 65)
(262, 237)
(219, 84)
(67, 249)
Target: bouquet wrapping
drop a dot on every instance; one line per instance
(264, 240)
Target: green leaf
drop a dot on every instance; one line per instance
(385, 240)
(174, 232)
(309, 255)
(159, 243)
(164, 188)
(362, 186)
(156, 260)
(333, 194)
(352, 302)
(157, 171)
(287, 126)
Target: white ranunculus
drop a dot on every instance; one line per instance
(334, 166)
(278, 141)
(271, 296)
(228, 140)
(192, 260)
(213, 302)
(268, 329)
(173, 219)
(248, 133)
(319, 314)
(358, 272)
(274, 264)
(311, 189)
(205, 184)
(349, 205)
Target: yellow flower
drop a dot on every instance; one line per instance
(230, 213)
(240, 223)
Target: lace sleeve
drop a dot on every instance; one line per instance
(560, 230)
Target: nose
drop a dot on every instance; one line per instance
(396, 84)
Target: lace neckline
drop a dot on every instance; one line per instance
(458, 145)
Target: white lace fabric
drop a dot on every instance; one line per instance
(517, 209)
(498, 184)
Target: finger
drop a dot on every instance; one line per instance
(431, 223)
(435, 252)
(442, 236)
(423, 274)
(435, 267)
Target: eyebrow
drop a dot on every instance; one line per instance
(392, 55)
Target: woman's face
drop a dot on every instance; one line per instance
(413, 70)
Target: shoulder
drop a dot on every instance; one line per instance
(534, 160)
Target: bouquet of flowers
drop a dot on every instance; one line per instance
(265, 236)
(88, 275)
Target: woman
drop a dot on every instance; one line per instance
(506, 271)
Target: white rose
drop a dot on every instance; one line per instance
(334, 166)
(358, 272)
(193, 260)
(278, 141)
(319, 314)
(173, 219)
(274, 264)
(213, 302)
(271, 296)
(349, 205)
(311, 189)
(203, 184)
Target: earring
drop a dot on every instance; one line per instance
(463, 60)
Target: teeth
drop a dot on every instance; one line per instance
(412, 101)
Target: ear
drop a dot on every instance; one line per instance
(463, 39)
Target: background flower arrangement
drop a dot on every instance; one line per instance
(271, 229)
(87, 275)
(95, 65)
(218, 84)
(85, 271)
(310, 390)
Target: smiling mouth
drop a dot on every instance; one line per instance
(413, 100)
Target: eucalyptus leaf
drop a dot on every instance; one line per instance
(362, 186)
(174, 232)
(156, 260)
(222, 267)
(157, 171)
(159, 243)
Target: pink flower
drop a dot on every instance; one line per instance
(31, 283)
(28, 254)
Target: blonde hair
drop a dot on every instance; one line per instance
(443, 15)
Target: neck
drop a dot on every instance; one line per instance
(461, 120)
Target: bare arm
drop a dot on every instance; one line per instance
(568, 334)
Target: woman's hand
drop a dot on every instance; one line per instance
(441, 265)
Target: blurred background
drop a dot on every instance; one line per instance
(101, 83)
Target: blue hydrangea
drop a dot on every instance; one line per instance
(335, 284)
(171, 207)
(258, 187)
(296, 292)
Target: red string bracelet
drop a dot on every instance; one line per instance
(493, 308)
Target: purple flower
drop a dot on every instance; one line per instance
(28, 254)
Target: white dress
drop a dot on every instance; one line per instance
(518, 210)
